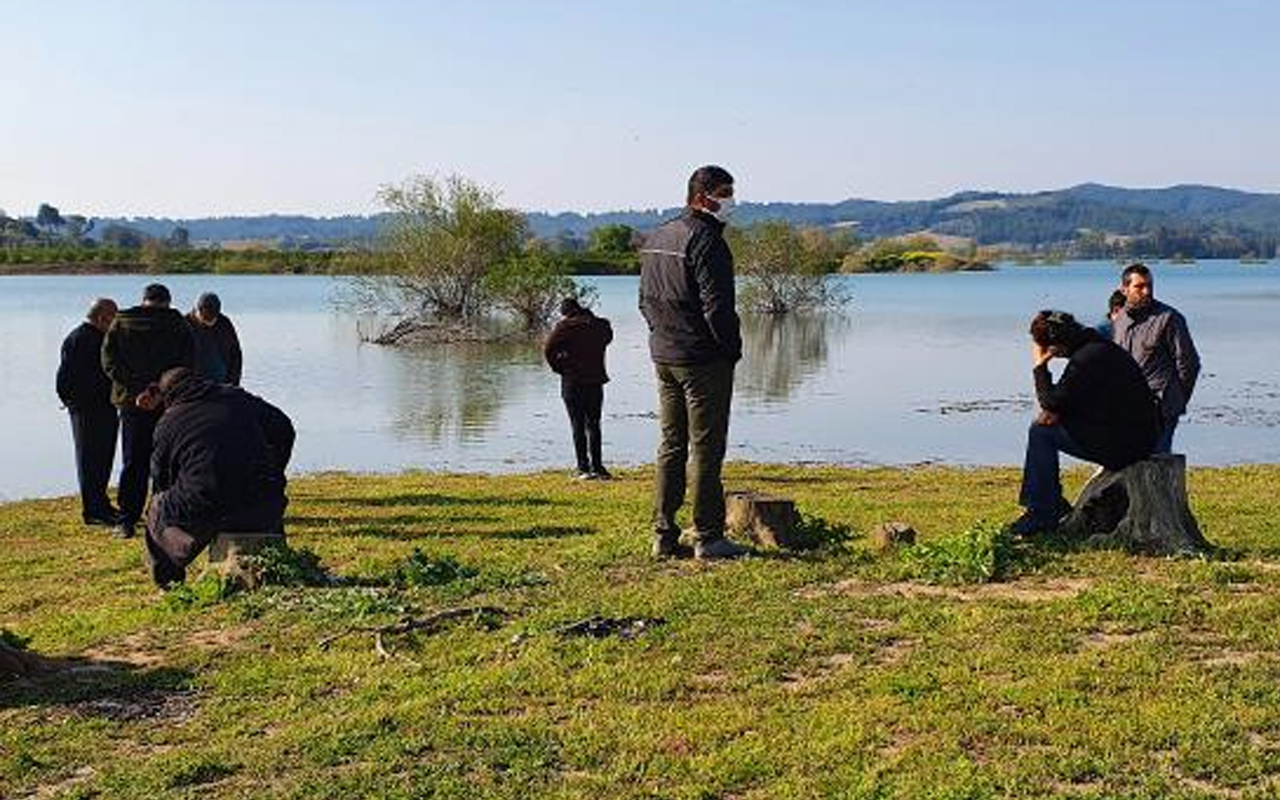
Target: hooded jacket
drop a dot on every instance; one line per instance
(217, 349)
(217, 450)
(142, 343)
(575, 348)
(687, 292)
(1103, 401)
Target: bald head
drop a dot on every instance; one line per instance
(101, 313)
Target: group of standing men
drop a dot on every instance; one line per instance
(167, 384)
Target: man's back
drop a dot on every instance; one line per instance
(687, 293)
(142, 343)
(217, 448)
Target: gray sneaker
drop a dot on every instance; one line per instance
(719, 549)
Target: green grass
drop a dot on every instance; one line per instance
(968, 666)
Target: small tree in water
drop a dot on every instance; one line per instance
(442, 239)
(785, 269)
(530, 286)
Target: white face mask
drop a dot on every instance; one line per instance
(726, 208)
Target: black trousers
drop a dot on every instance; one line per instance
(136, 430)
(584, 402)
(172, 548)
(94, 433)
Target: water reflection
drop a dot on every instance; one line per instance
(781, 353)
(456, 392)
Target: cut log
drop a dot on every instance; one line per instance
(767, 519)
(889, 536)
(230, 546)
(1142, 508)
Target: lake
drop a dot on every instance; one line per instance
(919, 368)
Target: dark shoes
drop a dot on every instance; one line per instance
(600, 474)
(670, 547)
(107, 518)
(123, 530)
(1031, 523)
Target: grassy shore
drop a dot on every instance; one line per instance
(832, 673)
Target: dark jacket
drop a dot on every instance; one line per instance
(575, 348)
(142, 343)
(217, 449)
(82, 384)
(687, 292)
(1103, 402)
(1156, 336)
(217, 350)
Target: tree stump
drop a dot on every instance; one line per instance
(769, 520)
(227, 549)
(1142, 507)
(888, 536)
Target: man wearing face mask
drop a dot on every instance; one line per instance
(687, 298)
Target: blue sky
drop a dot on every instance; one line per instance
(191, 108)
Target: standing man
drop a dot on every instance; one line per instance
(86, 392)
(1156, 336)
(140, 345)
(218, 356)
(575, 351)
(687, 298)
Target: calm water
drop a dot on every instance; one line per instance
(920, 368)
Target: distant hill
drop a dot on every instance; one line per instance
(1032, 220)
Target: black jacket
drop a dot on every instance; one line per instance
(1103, 401)
(82, 384)
(142, 343)
(575, 348)
(217, 349)
(687, 292)
(217, 449)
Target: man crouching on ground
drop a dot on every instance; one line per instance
(1100, 410)
(217, 465)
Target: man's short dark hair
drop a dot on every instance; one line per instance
(1051, 327)
(209, 302)
(156, 293)
(1116, 300)
(570, 307)
(707, 180)
(1136, 268)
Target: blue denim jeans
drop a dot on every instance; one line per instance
(1041, 485)
(1164, 442)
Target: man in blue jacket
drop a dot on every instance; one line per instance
(687, 299)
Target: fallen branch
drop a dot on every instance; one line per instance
(429, 623)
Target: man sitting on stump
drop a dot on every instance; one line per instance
(217, 466)
(1100, 410)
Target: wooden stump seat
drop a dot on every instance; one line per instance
(1142, 507)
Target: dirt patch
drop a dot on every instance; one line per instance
(1103, 640)
(173, 706)
(895, 650)
(1226, 657)
(142, 650)
(1025, 591)
(66, 784)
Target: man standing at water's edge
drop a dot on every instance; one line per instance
(1156, 336)
(687, 298)
(141, 344)
(85, 390)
